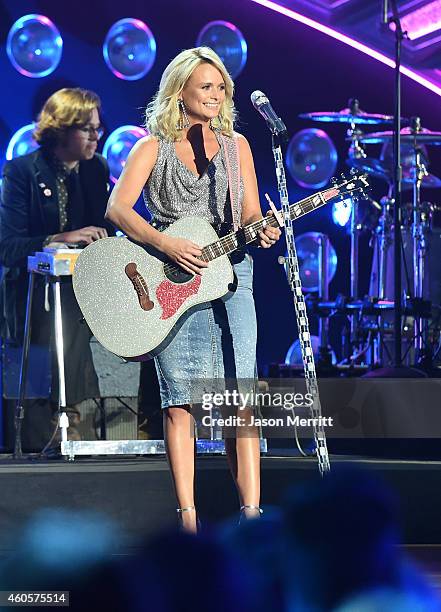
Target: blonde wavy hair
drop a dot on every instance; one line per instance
(162, 113)
(66, 108)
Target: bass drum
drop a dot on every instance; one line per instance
(432, 291)
(387, 291)
(432, 274)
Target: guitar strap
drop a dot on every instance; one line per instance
(232, 161)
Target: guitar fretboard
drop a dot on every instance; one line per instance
(250, 232)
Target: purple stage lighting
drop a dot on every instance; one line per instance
(34, 46)
(129, 49)
(422, 21)
(22, 142)
(228, 42)
(118, 146)
(311, 158)
(347, 40)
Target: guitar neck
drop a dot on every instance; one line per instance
(245, 235)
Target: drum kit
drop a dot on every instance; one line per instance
(416, 225)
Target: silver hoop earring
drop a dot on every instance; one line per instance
(184, 121)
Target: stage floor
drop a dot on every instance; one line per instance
(136, 492)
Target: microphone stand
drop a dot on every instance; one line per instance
(399, 36)
(293, 274)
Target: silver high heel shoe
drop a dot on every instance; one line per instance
(249, 507)
(188, 509)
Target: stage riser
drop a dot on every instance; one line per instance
(138, 494)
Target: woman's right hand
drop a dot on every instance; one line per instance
(183, 252)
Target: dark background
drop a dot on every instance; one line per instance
(301, 70)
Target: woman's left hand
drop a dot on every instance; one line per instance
(268, 236)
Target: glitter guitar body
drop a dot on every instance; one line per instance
(134, 299)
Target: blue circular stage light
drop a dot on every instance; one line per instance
(22, 142)
(311, 158)
(118, 146)
(341, 212)
(129, 49)
(228, 42)
(34, 46)
(307, 247)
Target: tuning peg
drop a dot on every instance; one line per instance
(343, 176)
(353, 171)
(333, 180)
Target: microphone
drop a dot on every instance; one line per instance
(263, 106)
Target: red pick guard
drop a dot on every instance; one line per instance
(171, 296)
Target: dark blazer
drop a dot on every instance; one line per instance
(29, 213)
(29, 207)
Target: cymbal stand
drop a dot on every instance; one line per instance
(325, 355)
(419, 229)
(355, 230)
(356, 151)
(398, 310)
(384, 242)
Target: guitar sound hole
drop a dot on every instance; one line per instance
(176, 274)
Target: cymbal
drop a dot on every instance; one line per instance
(348, 115)
(372, 166)
(383, 170)
(425, 136)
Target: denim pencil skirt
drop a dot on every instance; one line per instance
(213, 347)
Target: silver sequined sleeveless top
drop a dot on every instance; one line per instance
(173, 191)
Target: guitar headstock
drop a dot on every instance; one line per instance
(355, 187)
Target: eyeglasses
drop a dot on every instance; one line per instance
(91, 131)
